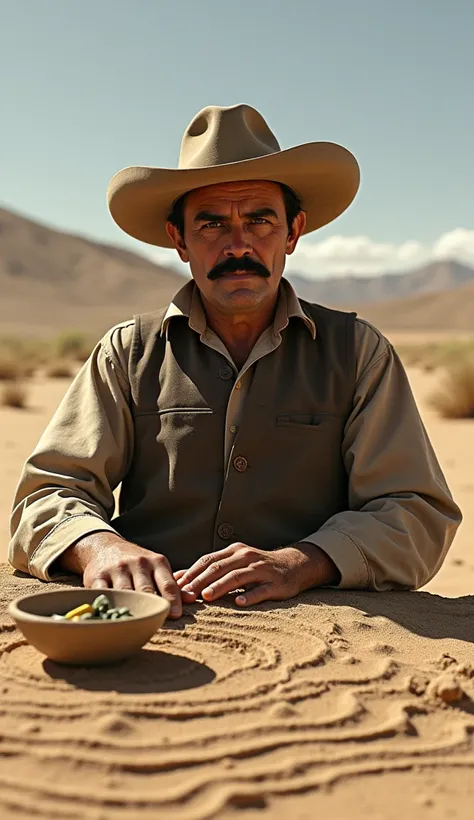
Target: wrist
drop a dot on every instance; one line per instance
(79, 554)
(320, 569)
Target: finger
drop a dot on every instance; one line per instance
(262, 592)
(220, 569)
(169, 589)
(100, 583)
(206, 561)
(179, 574)
(232, 581)
(121, 578)
(144, 581)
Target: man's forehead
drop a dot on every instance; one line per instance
(234, 191)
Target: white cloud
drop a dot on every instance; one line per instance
(339, 255)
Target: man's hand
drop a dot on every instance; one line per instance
(106, 560)
(266, 576)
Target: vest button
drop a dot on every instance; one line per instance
(225, 531)
(240, 464)
(225, 372)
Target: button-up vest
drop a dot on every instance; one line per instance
(285, 476)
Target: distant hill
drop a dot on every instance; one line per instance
(449, 310)
(353, 290)
(50, 280)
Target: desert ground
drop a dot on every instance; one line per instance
(338, 704)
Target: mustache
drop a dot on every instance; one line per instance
(234, 265)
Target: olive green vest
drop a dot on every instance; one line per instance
(285, 475)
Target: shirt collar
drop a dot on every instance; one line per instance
(187, 302)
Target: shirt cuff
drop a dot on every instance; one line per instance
(347, 556)
(61, 537)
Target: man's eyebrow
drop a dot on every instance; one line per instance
(261, 212)
(208, 216)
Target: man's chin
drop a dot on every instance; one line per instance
(242, 299)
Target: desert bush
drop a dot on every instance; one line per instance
(454, 399)
(59, 369)
(14, 394)
(10, 368)
(434, 355)
(21, 358)
(73, 345)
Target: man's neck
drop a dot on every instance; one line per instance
(240, 332)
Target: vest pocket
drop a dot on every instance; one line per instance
(300, 421)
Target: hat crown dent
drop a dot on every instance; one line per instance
(222, 135)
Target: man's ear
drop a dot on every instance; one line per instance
(177, 241)
(297, 229)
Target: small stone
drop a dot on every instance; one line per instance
(114, 724)
(349, 659)
(447, 688)
(416, 684)
(29, 728)
(282, 710)
(425, 800)
(445, 661)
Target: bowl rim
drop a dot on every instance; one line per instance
(18, 614)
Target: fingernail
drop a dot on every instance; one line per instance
(187, 588)
(208, 592)
(240, 599)
(176, 611)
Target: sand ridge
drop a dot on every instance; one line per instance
(228, 709)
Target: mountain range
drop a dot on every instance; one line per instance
(51, 280)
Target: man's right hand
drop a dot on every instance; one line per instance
(106, 560)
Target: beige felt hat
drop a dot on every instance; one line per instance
(226, 145)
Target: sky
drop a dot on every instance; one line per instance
(88, 87)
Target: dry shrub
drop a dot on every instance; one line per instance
(59, 369)
(20, 358)
(14, 394)
(455, 397)
(10, 368)
(73, 345)
(431, 356)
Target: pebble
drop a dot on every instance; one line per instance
(447, 688)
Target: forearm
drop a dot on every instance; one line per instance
(391, 543)
(66, 488)
(400, 518)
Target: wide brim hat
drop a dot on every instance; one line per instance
(228, 145)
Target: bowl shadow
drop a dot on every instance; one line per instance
(147, 672)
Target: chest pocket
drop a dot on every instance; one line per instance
(301, 421)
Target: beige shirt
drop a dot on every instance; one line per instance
(368, 542)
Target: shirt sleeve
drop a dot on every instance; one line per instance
(66, 487)
(401, 519)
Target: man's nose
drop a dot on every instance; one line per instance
(238, 244)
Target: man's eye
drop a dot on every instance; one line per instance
(212, 225)
(259, 220)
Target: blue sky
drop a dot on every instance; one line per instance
(90, 86)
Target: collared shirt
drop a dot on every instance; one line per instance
(390, 537)
(188, 303)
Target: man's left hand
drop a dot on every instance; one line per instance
(265, 576)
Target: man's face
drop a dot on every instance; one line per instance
(236, 238)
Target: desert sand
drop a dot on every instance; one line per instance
(336, 704)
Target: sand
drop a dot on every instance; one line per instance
(335, 704)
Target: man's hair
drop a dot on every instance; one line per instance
(291, 201)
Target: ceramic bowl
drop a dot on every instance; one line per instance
(88, 643)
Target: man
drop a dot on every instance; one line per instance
(264, 444)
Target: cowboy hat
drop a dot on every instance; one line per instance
(227, 145)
